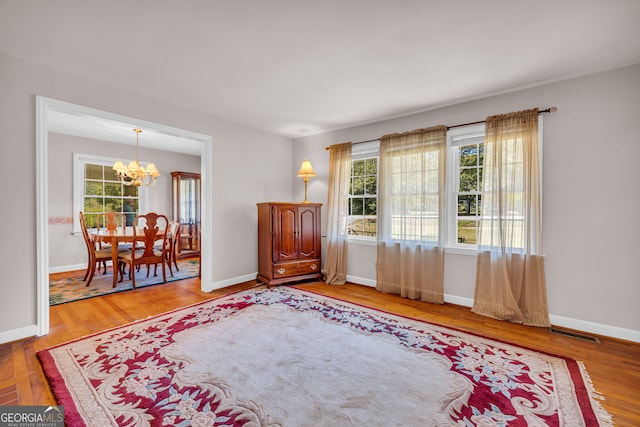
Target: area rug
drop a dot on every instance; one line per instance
(74, 288)
(287, 357)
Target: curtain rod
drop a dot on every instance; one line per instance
(545, 111)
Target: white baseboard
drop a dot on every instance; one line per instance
(595, 328)
(568, 322)
(208, 287)
(72, 267)
(556, 320)
(18, 334)
(65, 268)
(454, 299)
(361, 281)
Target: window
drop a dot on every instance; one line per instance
(363, 193)
(466, 157)
(97, 190)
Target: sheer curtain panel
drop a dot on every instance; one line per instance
(335, 266)
(510, 279)
(410, 253)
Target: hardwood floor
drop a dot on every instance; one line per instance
(614, 365)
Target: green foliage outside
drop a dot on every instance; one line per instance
(364, 177)
(469, 204)
(471, 160)
(472, 155)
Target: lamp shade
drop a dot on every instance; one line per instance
(306, 170)
(118, 167)
(133, 166)
(152, 170)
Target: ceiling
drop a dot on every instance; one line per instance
(77, 122)
(297, 68)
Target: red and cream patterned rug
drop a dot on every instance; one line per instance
(286, 357)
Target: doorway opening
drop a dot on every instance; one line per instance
(46, 108)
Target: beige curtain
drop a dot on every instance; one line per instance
(411, 186)
(335, 265)
(510, 281)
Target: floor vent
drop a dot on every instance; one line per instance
(574, 334)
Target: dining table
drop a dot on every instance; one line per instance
(116, 237)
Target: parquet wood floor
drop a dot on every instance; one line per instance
(614, 365)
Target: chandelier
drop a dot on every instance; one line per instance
(134, 173)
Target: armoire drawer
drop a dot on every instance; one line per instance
(296, 268)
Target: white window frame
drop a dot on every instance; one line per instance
(456, 138)
(362, 151)
(79, 162)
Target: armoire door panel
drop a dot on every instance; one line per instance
(285, 241)
(308, 232)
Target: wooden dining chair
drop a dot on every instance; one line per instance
(171, 242)
(112, 221)
(96, 256)
(148, 229)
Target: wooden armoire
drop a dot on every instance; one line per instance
(289, 247)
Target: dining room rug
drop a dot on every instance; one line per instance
(74, 288)
(287, 357)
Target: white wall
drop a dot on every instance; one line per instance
(249, 166)
(66, 251)
(590, 200)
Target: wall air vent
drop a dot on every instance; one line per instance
(574, 334)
